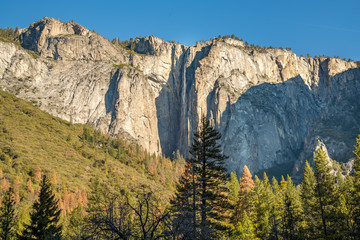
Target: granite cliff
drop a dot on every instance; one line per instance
(270, 105)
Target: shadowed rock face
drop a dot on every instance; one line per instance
(270, 105)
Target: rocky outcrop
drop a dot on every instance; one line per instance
(66, 41)
(270, 105)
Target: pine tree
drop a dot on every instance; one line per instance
(293, 212)
(208, 164)
(263, 200)
(44, 220)
(277, 212)
(76, 228)
(184, 205)
(344, 186)
(325, 194)
(245, 228)
(356, 190)
(201, 198)
(234, 188)
(309, 202)
(244, 200)
(7, 216)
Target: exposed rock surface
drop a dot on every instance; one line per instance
(270, 104)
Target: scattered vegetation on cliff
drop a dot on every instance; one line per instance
(10, 35)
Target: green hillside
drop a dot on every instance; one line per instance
(33, 143)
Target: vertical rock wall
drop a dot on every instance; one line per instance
(270, 105)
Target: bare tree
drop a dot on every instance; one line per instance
(124, 217)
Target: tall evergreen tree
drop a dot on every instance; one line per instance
(44, 220)
(245, 228)
(244, 199)
(184, 206)
(263, 200)
(293, 212)
(309, 202)
(208, 163)
(7, 216)
(344, 185)
(356, 190)
(75, 228)
(277, 212)
(234, 188)
(326, 195)
(203, 187)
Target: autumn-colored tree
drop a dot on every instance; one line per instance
(72, 201)
(65, 201)
(5, 185)
(244, 199)
(16, 190)
(246, 181)
(30, 189)
(54, 179)
(37, 174)
(84, 198)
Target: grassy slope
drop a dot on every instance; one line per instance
(30, 137)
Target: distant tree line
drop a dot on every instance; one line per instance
(10, 34)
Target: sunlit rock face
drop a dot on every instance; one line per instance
(270, 105)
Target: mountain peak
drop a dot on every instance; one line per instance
(55, 39)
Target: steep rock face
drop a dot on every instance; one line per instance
(66, 41)
(270, 105)
(115, 90)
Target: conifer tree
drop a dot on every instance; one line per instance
(245, 228)
(44, 220)
(244, 200)
(277, 212)
(344, 186)
(76, 229)
(208, 164)
(356, 189)
(263, 200)
(234, 188)
(184, 205)
(309, 202)
(293, 212)
(246, 181)
(205, 191)
(7, 216)
(325, 194)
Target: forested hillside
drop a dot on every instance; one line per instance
(34, 143)
(98, 187)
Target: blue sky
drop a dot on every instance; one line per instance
(316, 27)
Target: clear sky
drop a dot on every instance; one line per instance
(316, 27)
